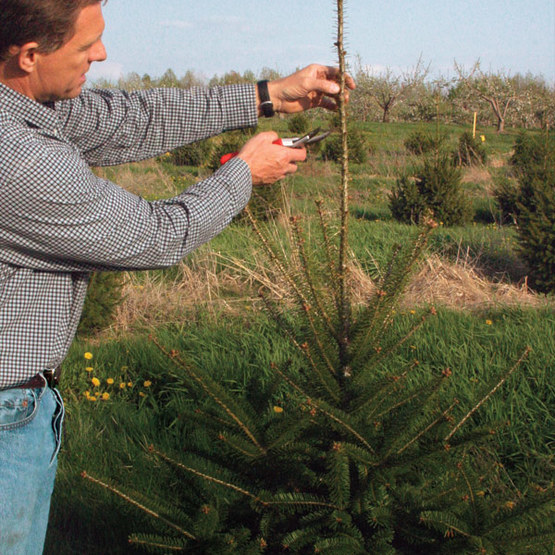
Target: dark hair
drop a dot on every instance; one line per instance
(50, 23)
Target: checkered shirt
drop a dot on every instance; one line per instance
(59, 222)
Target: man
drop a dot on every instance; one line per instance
(59, 222)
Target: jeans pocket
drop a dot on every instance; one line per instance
(57, 421)
(18, 407)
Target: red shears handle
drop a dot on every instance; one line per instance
(295, 142)
(227, 157)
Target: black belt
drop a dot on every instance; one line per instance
(51, 379)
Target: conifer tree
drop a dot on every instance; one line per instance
(350, 457)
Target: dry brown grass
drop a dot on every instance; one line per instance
(456, 285)
(147, 179)
(477, 174)
(153, 300)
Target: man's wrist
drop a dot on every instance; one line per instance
(265, 103)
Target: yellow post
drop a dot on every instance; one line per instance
(474, 126)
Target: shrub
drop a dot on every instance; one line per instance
(298, 124)
(104, 294)
(470, 151)
(232, 141)
(195, 154)
(436, 188)
(530, 154)
(506, 194)
(534, 162)
(356, 142)
(265, 202)
(419, 142)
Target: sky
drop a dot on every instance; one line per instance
(212, 37)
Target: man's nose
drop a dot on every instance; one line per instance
(98, 54)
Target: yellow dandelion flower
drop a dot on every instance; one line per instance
(483, 138)
(95, 382)
(278, 410)
(147, 383)
(110, 381)
(413, 311)
(105, 396)
(88, 356)
(489, 322)
(91, 398)
(510, 505)
(89, 368)
(122, 385)
(129, 384)
(141, 394)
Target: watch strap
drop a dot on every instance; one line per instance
(266, 105)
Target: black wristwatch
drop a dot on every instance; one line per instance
(265, 103)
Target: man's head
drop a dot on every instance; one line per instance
(47, 46)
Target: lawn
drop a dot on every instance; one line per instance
(208, 309)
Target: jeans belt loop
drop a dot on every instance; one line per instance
(48, 378)
(52, 377)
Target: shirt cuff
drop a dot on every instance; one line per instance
(237, 174)
(239, 106)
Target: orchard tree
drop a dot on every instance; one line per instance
(540, 102)
(499, 90)
(387, 88)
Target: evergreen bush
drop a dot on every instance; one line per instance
(506, 194)
(232, 141)
(298, 124)
(436, 187)
(359, 149)
(195, 154)
(104, 294)
(470, 151)
(419, 142)
(531, 153)
(534, 162)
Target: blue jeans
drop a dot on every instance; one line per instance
(30, 434)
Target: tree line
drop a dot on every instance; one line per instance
(498, 98)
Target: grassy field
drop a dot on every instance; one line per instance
(208, 309)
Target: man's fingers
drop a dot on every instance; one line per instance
(325, 87)
(332, 74)
(297, 154)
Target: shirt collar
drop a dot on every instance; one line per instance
(26, 109)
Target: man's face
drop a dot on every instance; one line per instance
(61, 74)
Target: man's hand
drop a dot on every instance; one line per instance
(312, 87)
(269, 162)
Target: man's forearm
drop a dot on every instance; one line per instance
(114, 127)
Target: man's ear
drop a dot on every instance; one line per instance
(26, 56)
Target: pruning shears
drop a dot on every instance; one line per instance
(293, 142)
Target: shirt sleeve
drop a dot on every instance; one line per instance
(59, 216)
(113, 127)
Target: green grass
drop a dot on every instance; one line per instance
(108, 437)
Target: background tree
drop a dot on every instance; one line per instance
(498, 90)
(387, 89)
